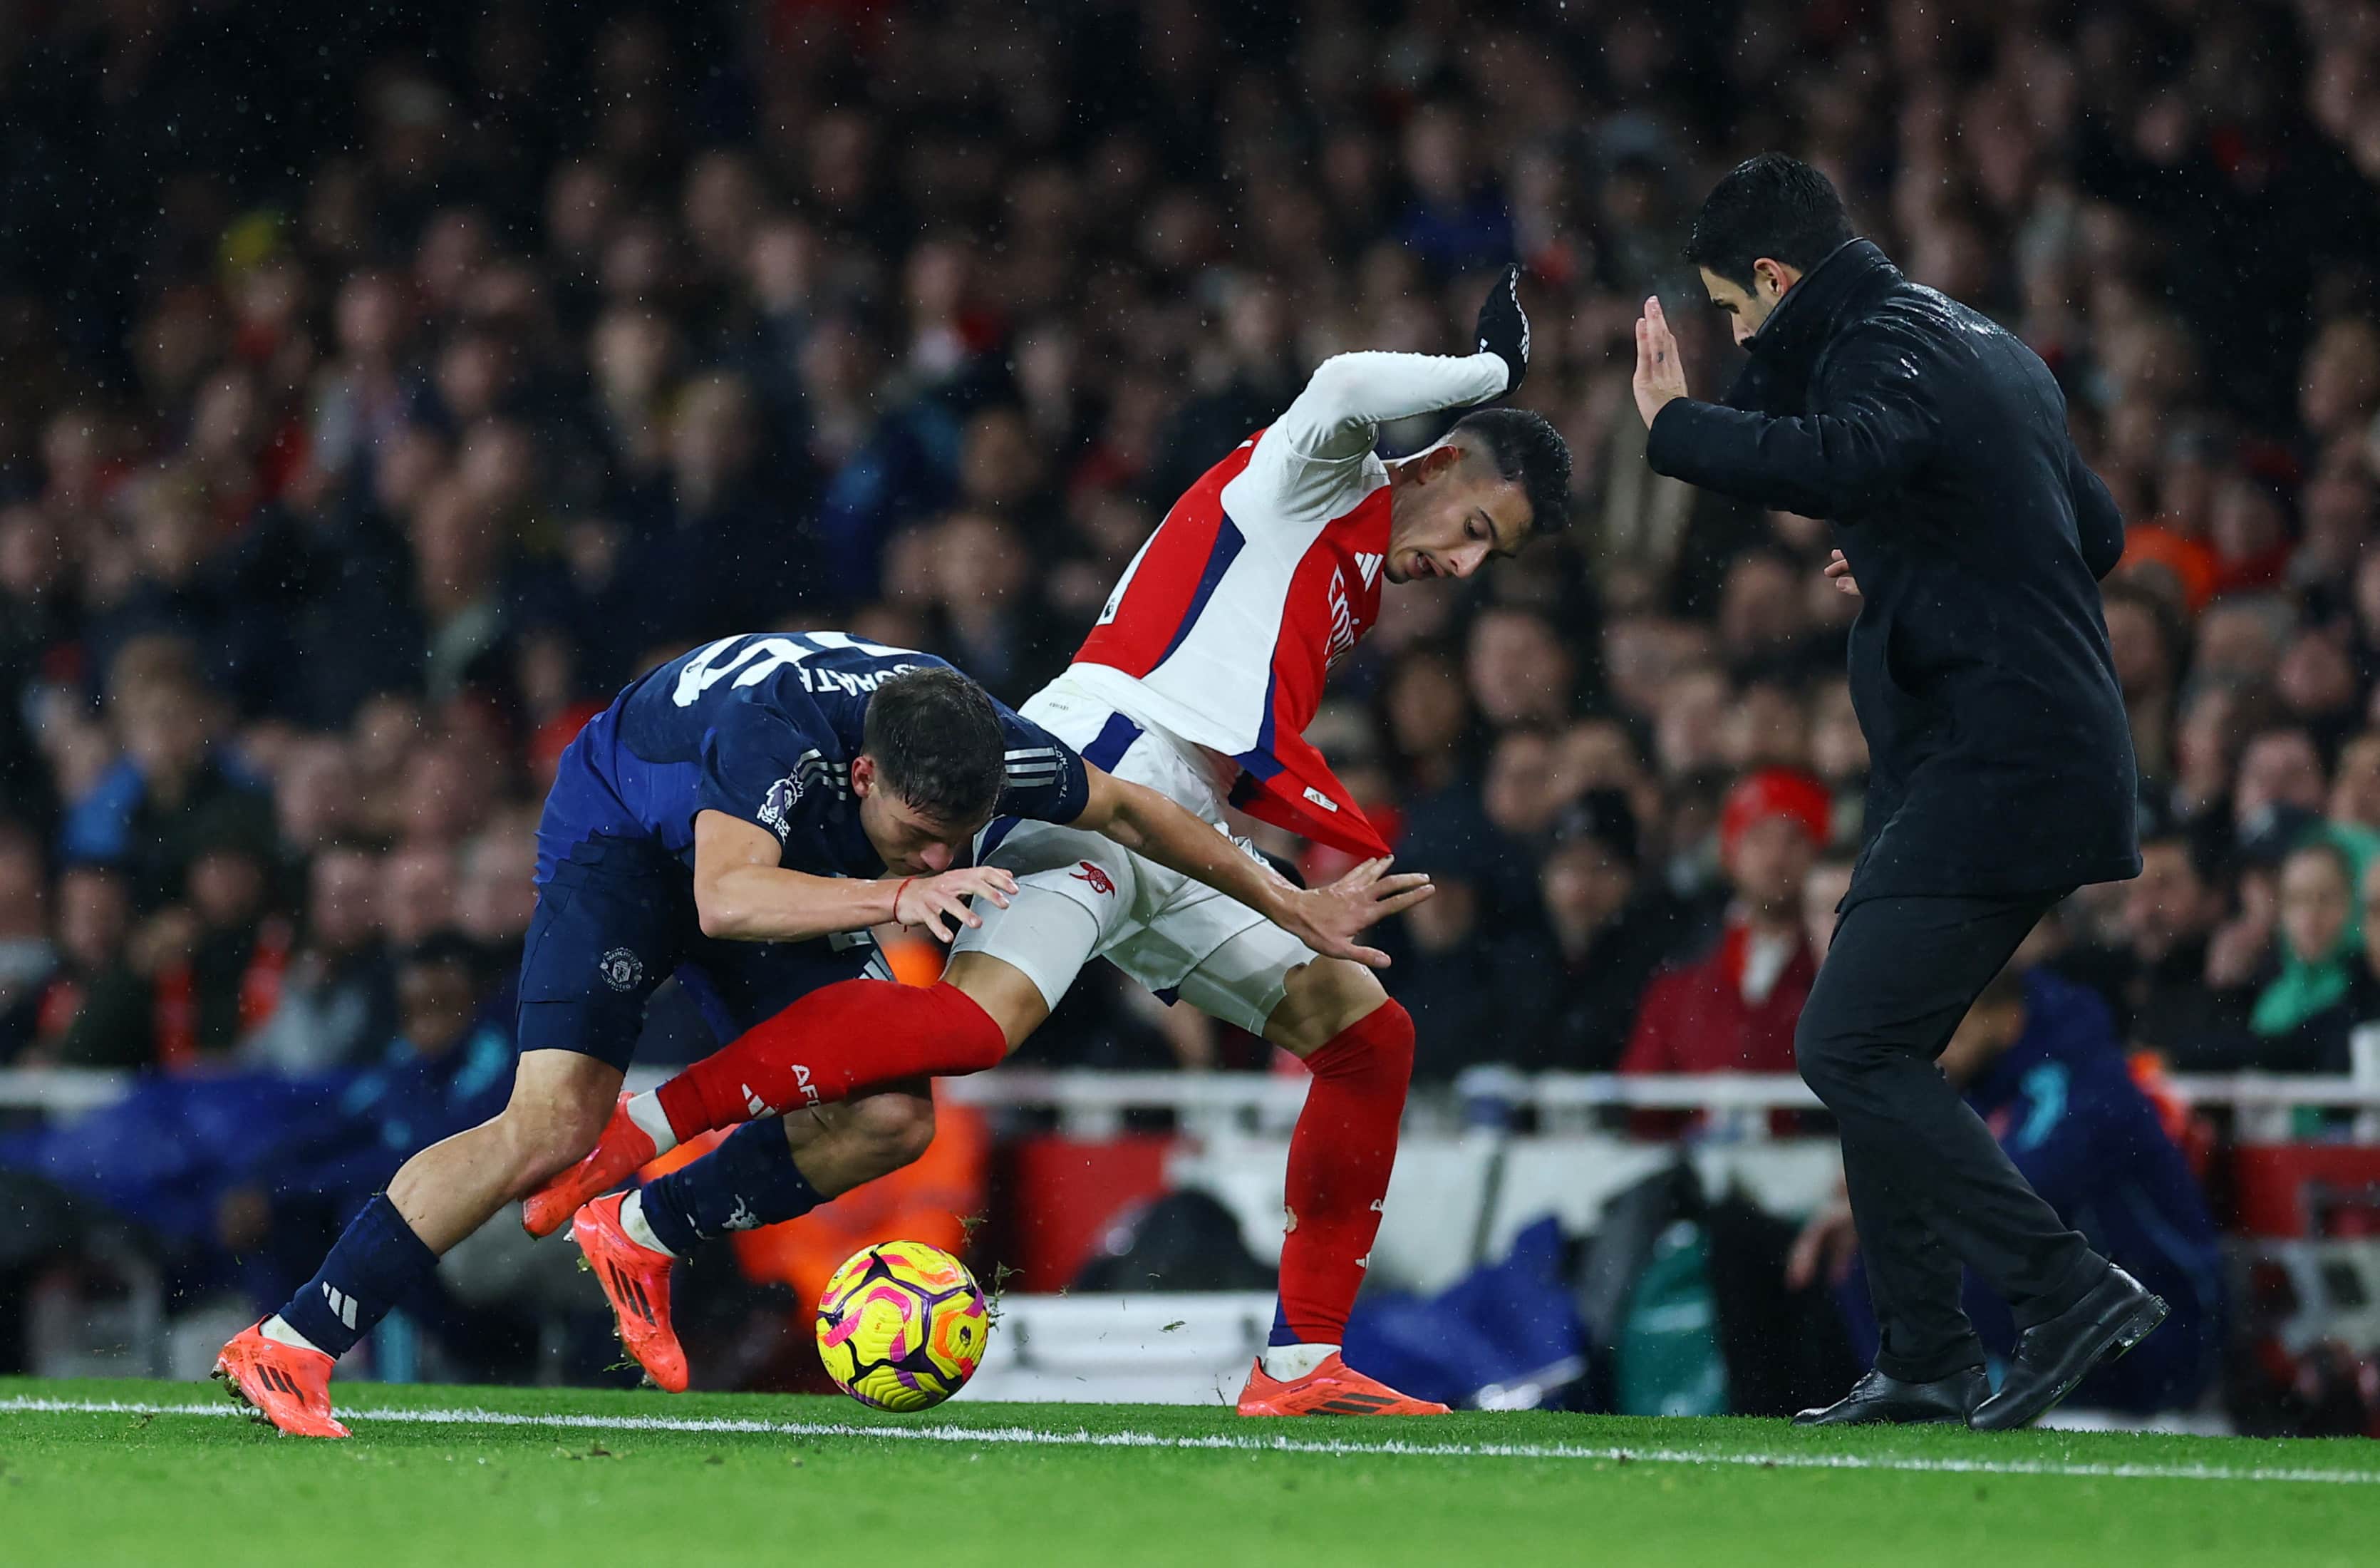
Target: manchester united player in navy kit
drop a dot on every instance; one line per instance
(1206, 666)
(739, 818)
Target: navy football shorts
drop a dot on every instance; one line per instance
(615, 918)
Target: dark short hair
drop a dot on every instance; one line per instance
(1527, 450)
(1772, 206)
(937, 742)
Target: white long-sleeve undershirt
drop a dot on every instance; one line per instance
(1315, 460)
(1350, 397)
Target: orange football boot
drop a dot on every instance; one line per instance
(1332, 1389)
(637, 1279)
(622, 1151)
(284, 1384)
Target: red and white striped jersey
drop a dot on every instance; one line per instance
(1262, 577)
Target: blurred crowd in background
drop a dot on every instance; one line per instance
(384, 389)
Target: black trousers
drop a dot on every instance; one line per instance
(1930, 1189)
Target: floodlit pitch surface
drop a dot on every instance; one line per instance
(165, 1473)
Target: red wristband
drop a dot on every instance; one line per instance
(896, 898)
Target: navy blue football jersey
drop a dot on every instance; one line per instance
(764, 726)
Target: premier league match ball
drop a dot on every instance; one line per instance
(902, 1326)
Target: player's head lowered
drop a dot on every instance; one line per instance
(930, 766)
(1767, 221)
(1500, 478)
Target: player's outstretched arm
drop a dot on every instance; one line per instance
(742, 894)
(1350, 395)
(1325, 918)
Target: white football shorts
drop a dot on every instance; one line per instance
(1082, 895)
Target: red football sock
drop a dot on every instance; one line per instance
(1339, 1161)
(835, 1042)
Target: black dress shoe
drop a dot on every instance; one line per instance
(2054, 1355)
(1877, 1399)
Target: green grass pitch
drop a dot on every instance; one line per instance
(103, 1473)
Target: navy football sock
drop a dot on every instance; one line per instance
(377, 1263)
(749, 1180)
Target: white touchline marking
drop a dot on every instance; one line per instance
(1082, 1438)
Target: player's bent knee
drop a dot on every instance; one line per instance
(536, 1148)
(1819, 1056)
(1321, 1000)
(554, 1119)
(1012, 998)
(898, 1128)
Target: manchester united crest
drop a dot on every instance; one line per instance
(622, 969)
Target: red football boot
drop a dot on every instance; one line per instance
(1332, 1389)
(637, 1278)
(622, 1151)
(285, 1384)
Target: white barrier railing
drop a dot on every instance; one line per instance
(1737, 1104)
(1087, 1101)
(62, 1090)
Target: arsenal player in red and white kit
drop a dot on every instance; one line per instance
(1198, 681)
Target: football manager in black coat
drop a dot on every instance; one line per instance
(2002, 772)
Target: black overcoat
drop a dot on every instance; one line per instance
(2001, 756)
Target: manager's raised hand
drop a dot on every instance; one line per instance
(1660, 376)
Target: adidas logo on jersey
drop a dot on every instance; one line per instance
(1367, 566)
(755, 1104)
(1320, 799)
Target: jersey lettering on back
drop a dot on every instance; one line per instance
(764, 727)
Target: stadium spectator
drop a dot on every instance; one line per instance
(1733, 1009)
(418, 892)
(28, 958)
(143, 811)
(1576, 981)
(97, 1010)
(1519, 668)
(338, 997)
(2156, 976)
(2303, 1014)
(219, 956)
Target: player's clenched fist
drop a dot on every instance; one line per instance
(931, 901)
(1504, 328)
